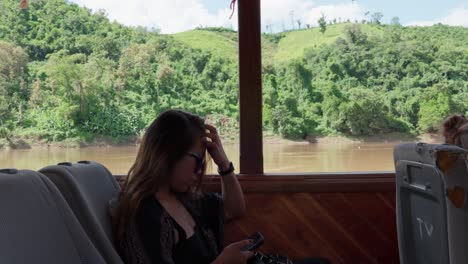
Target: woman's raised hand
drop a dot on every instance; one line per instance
(215, 148)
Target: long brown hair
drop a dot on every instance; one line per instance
(454, 125)
(167, 139)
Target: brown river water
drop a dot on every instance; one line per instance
(278, 157)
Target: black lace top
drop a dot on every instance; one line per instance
(155, 229)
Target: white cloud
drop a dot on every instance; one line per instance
(281, 13)
(277, 10)
(178, 15)
(456, 17)
(351, 11)
(169, 16)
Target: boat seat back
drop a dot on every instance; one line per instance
(88, 187)
(430, 183)
(37, 225)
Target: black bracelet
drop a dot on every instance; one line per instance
(228, 171)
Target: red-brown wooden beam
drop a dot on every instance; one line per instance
(310, 182)
(306, 182)
(250, 82)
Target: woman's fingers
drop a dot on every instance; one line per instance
(241, 244)
(213, 133)
(210, 135)
(211, 128)
(216, 152)
(214, 146)
(209, 144)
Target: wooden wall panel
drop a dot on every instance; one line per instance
(344, 227)
(350, 219)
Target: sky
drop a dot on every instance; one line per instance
(172, 16)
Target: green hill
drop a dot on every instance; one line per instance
(223, 45)
(291, 45)
(221, 42)
(295, 43)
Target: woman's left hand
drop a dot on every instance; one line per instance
(215, 148)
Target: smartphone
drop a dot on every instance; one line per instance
(257, 238)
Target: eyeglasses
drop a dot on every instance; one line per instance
(199, 161)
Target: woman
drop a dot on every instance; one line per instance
(161, 216)
(455, 131)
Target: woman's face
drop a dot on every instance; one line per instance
(187, 171)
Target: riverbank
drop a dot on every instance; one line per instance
(31, 143)
(26, 143)
(384, 138)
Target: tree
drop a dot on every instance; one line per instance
(396, 21)
(13, 63)
(436, 106)
(355, 35)
(377, 17)
(322, 24)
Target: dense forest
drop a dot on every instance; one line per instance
(69, 73)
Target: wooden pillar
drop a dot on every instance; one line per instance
(250, 81)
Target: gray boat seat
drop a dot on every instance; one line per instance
(431, 195)
(37, 225)
(88, 187)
